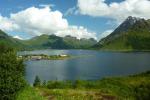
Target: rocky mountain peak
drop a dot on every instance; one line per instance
(130, 21)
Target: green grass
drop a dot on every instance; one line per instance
(130, 87)
(29, 93)
(74, 94)
(123, 88)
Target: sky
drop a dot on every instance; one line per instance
(25, 19)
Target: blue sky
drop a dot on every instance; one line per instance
(95, 21)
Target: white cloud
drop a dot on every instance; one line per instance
(77, 31)
(34, 21)
(105, 33)
(17, 37)
(71, 11)
(115, 10)
(38, 21)
(7, 25)
(46, 5)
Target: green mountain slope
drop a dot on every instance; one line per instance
(79, 43)
(55, 42)
(46, 42)
(8, 40)
(132, 34)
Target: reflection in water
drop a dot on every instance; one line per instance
(71, 69)
(96, 66)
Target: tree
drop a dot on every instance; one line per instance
(37, 82)
(44, 83)
(11, 73)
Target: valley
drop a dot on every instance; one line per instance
(74, 49)
(106, 69)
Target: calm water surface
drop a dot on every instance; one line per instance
(86, 65)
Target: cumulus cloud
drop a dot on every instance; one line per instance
(38, 21)
(77, 31)
(7, 25)
(115, 10)
(105, 33)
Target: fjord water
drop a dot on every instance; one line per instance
(86, 65)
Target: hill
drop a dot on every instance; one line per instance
(132, 34)
(56, 42)
(8, 40)
(46, 42)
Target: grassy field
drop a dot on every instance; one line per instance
(30, 93)
(135, 87)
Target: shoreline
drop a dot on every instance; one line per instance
(101, 50)
(43, 57)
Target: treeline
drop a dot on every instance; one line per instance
(12, 72)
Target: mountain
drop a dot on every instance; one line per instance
(56, 42)
(75, 43)
(132, 34)
(47, 41)
(8, 40)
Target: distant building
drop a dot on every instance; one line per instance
(20, 56)
(36, 57)
(63, 55)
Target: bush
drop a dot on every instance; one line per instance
(59, 84)
(142, 92)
